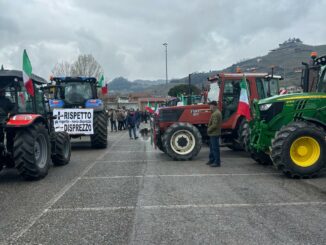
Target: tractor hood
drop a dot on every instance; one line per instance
(289, 97)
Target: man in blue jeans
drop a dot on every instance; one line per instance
(131, 124)
(214, 132)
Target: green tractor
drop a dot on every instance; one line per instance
(290, 130)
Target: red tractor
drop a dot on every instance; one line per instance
(179, 131)
(28, 141)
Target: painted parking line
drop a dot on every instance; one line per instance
(174, 175)
(189, 206)
(15, 236)
(130, 151)
(127, 161)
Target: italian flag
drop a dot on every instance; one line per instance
(243, 107)
(149, 108)
(27, 73)
(156, 109)
(103, 85)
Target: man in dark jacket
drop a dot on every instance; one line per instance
(131, 124)
(214, 132)
(138, 119)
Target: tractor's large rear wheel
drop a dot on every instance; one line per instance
(32, 152)
(100, 137)
(299, 149)
(182, 141)
(241, 136)
(62, 153)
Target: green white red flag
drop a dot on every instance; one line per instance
(243, 107)
(156, 108)
(103, 85)
(27, 73)
(149, 108)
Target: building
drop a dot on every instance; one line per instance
(143, 102)
(137, 96)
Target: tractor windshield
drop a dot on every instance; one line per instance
(77, 92)
(271, 87)
(267, 87)
(15, 100)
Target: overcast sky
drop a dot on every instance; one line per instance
(126, 36)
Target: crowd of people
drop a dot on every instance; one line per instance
(122, 119)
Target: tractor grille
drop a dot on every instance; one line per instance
(300, 104)
(75, 105)
(170, 115)
(275, 109)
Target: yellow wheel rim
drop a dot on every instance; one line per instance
(305, 151)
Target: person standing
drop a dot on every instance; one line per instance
(214, 132)
(120, 117)
(113, 120)
(131, 124)
(125, 114)
(137, 115)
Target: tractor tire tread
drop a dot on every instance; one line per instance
(99, 138)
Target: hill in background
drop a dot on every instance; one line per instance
(286, 60)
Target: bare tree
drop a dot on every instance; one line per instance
(86, 65)
(62, 69)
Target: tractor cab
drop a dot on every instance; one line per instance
(74, 92)
(14, 98)
(225, 88)
(314, 74)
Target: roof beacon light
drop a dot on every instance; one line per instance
(313, 55)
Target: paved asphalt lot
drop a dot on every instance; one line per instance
(133, 194)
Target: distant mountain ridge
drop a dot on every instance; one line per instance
(123, 85)
(286, 60)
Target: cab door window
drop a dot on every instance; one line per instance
(260, 88)
(231, 95)
(39, 99)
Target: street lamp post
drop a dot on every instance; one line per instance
(166, 62)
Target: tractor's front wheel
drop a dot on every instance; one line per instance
(62, 152)
(32, 152)
(159, 144)
(182, 141)
(299, 149)
(99, 139)
(261, 157)
(244, 135)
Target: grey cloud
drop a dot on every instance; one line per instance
(126, 36)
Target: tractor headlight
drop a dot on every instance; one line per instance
(95, 104)
(265, 107)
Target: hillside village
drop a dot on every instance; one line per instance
(285, 59)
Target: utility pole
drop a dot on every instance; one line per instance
(166, 62)
(189, 90)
